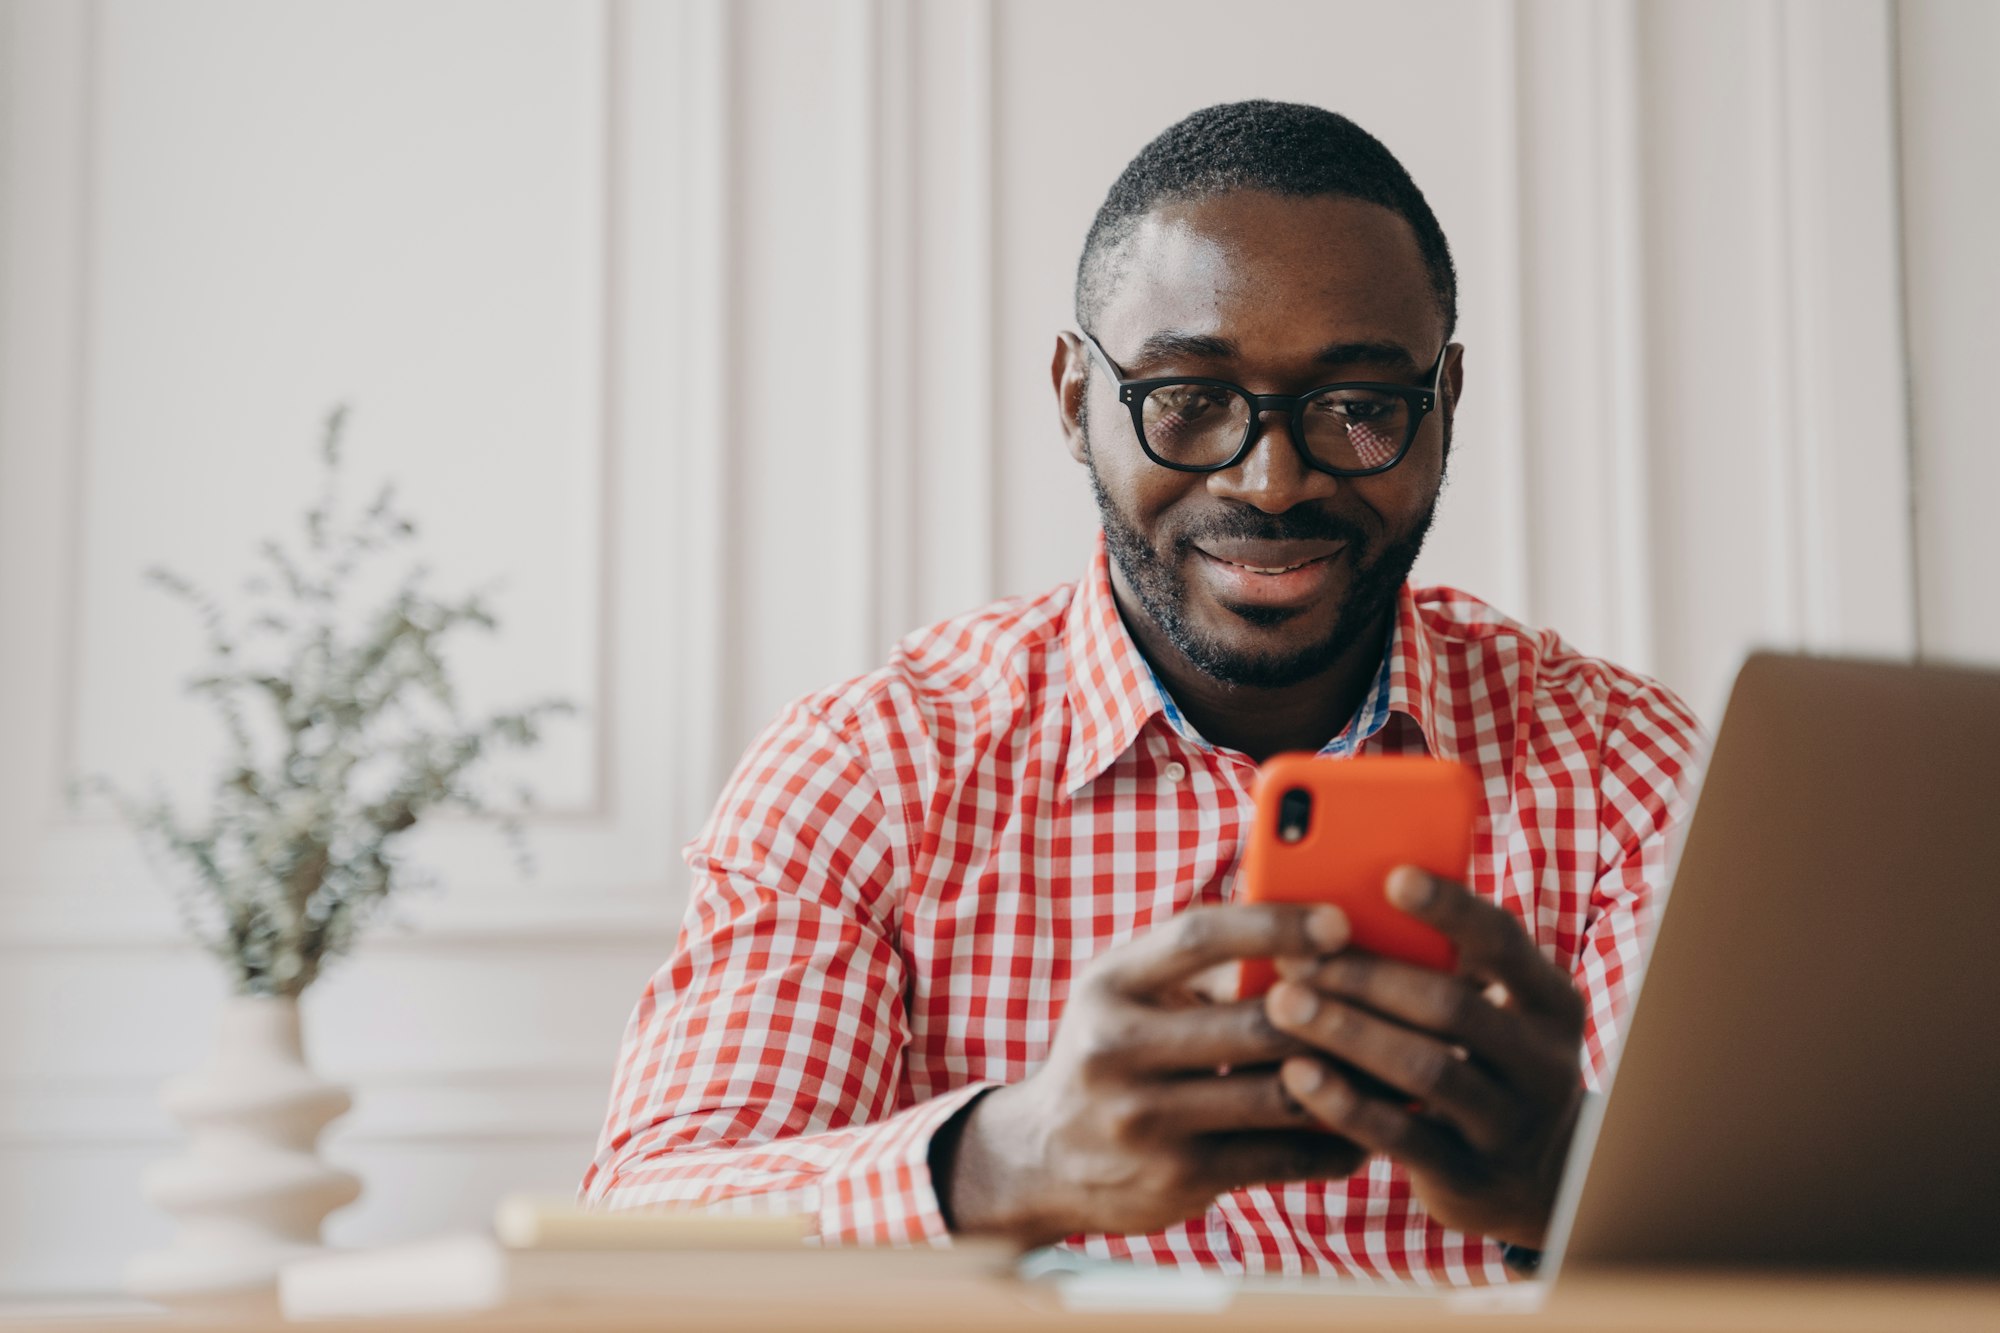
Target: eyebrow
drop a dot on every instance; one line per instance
(1174, 345)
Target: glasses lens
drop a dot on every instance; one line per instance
(1356, 429)
(1196, 425)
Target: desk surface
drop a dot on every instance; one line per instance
(1613, 1303)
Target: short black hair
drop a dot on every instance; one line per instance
(1281, 147)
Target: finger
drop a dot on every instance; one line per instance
(1492, 943)
(1173, 953)
(1450, 1087)
(1139, 1039)
(1419, 997)
(1501, 1040)
(1232, 1161)
(1373, 1123)
(1207, 1104)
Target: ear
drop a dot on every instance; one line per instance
(1451, 385)
(1069, 372)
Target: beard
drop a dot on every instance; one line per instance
(1155, 579)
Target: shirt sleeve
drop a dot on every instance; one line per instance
(762, 1067)
(1648, 765)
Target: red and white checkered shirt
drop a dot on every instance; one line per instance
(907, 871)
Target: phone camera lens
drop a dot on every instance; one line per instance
(1294, 814)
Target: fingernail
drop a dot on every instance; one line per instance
(1410, 888)
(1295, 969)
(1327, 927)
(1292, 1003)
(1303, 1076)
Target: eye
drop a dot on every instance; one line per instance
(1356, 407)
(1188, 402)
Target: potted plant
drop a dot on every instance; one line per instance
(344, 731)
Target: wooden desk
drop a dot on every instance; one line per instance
(1637, 1303)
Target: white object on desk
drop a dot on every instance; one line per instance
(570, 1258)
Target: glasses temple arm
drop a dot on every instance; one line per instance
(1111, 367)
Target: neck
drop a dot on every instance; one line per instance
(1262, 721)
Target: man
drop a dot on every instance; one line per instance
(944, 969)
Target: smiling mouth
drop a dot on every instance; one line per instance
(1274, 569)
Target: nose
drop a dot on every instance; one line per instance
(1273, 476)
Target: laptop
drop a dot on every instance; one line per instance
(1810, 1076)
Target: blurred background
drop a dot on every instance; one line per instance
(720, 331)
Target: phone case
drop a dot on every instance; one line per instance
(1368, 816)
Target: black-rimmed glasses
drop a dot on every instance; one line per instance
(1193, 424)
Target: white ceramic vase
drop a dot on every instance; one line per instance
(249, 1192)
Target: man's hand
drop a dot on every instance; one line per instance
(1489, 1057)
(1153, 1100)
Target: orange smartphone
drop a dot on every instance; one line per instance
(1331, 830)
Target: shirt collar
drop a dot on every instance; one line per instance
(1113, 692)
(1413, 673)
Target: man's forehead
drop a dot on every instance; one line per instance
(1252, 256)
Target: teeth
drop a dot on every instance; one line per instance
(1255, 569)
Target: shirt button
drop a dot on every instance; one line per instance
(1174, 772)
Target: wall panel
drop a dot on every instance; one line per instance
(344, 218)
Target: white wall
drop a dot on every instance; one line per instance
(591, 273)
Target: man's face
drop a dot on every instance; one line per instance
(1279, 295)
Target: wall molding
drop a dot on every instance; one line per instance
(697, 203)
(950, 539)
(1837, 255)
(613, 135)
(1622, 278)
(1580, 252)
(46, 188)
(431, 1109)
(1947, 119)
(1514, 567)
(470, 916)
(84, 36)
(891, 224)
(926, 200)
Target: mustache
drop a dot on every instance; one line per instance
(1302, 524)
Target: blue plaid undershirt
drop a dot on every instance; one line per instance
(1368, 719)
